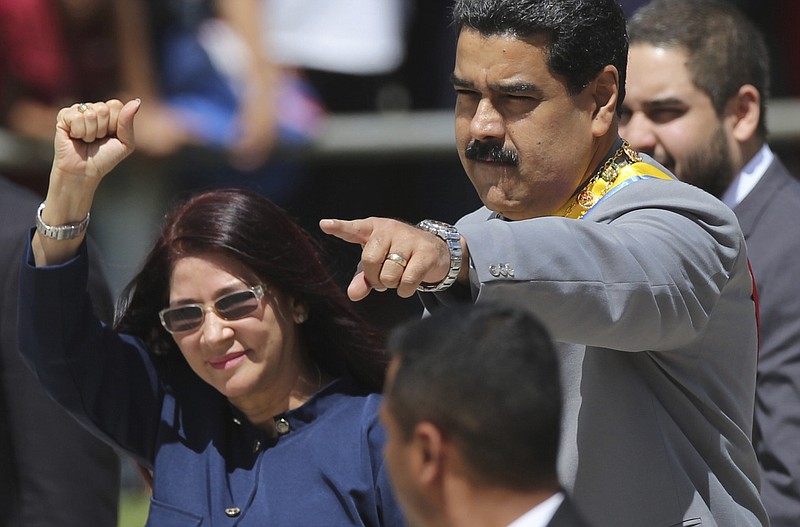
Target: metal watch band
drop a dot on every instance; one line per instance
(452, 238)
(70, 231)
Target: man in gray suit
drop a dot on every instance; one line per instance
(472, 410)
(698, 83)
(641, 280)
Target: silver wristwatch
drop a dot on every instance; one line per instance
(452, 238)
(70, 231)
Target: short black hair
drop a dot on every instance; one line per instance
(487, 376)
(584, 35)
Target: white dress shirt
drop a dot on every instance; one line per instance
(540, 515)
(748, 177)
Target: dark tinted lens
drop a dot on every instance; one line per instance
(183, 318)
(236, 305)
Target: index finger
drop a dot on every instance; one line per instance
(353, 231)
(70, 120)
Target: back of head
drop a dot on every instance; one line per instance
(250, 229)
(724, 48)
(487, 377)
(585, 35)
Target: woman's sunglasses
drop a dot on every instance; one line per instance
(232, 306)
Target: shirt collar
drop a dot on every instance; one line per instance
(749, 176)
(293, 420)
(540, 515)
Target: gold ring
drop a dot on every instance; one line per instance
(82, 107)
(396, 258)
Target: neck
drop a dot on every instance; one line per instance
(604, 177)
(288, 390)
(748, 152)
(602, 150)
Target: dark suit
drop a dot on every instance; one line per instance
(769, 220)
(52, 471)
(567, 516)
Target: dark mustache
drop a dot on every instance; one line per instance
(490, 153)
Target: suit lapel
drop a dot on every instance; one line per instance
(567, 516)
(761, 197)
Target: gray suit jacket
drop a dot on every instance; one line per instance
(649, 299)
(768, 216)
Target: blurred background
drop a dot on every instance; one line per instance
(334, 109)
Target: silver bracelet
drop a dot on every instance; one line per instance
(70, 231)
(452, 238)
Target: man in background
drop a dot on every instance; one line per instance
(472, 410)
(698, 85)
(52, 471)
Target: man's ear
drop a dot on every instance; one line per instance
(745, 109)
(428, 453)
(604, 90)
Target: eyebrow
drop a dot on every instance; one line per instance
(461, 83)
(519, 87)
(667, 101)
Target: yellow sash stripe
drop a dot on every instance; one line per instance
(601, 187)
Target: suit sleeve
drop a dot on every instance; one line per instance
(106, 380)
(644, 273)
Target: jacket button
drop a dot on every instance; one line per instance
(494, 270)
(282, 426)
(506, 270)
(233, 512)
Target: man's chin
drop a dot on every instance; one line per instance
(506, 210)
(496, 201)
(515, 209)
